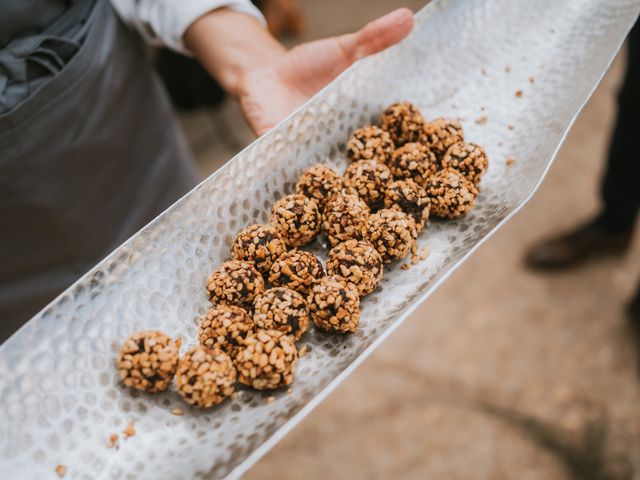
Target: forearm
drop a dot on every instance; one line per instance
(229, 44)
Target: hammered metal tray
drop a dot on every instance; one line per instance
(59, 393)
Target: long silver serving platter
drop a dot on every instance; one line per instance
(60, 398)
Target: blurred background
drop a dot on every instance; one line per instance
(502, 373)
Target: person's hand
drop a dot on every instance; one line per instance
(271, 82)
(268, 94)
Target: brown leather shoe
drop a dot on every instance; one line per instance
(584, 243)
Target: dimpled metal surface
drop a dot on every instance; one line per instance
(60, 398)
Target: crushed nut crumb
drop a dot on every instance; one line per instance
(419, 254)
(270, 400)
(482, 120)
(113, 441)
(509, 161)
(177, 412)
(518, 93)
(130, 430)
(61, 470)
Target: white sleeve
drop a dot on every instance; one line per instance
(163, 22)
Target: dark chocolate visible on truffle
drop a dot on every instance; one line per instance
(368, 179)
(334, 304)
(258, 245)
(409, 197)
(319, 183)
(297, 270)
(344, 218)
(282, 309)
(370, 143)
(413, 161)
(148, 361)
(467, 158)
(267, 361)
(234, 283)
(441, 134)
(358, 262)
(404, 122)
(392, 233)
(451, 194)
(205, 377)
(225, 327)
(296, 219)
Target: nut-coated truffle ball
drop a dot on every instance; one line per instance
(441, 134)
(370, 143)
(392, 233)
(267, 361)
(368, 179)
(319, 183)
(297, 270)
(344, 218)
(467, 158)
(413, 161)
(225, 327)
(451, 194)
(258, 245)
(281, 309)
(404, 122)
(296, 219)
(205, 376)
(234, 283)
(334, 304)
(409, 197)
(148, 361)
(358, 263)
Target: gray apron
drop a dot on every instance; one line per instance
(90, 156)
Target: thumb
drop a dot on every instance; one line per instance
(377, 35)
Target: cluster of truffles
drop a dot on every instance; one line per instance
(269, 294)
(444, 169)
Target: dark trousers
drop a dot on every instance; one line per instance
(621, 184)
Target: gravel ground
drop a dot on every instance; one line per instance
(513, 374)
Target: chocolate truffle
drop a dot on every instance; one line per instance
(334, 304)
(258, 245)
(297, 270)
(392, 233)
(451, 194)
(409, 197)
(345, 217)
(234, 283)
(319, 183)
(225, 327)
(441, 134)
(281, 309)
(404, 122)
(296, 219)
(358, 263)
(205, 376)
(467, 158)
(267, 361)
(148, 361)
(413, 161)
(368, 179)
(370, 143)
